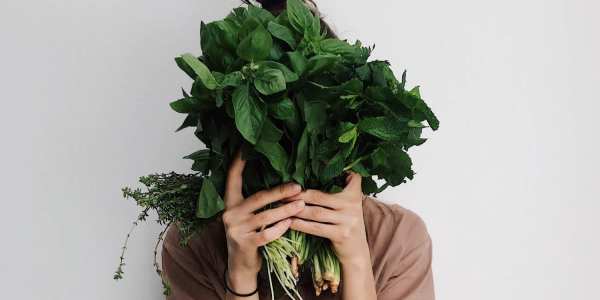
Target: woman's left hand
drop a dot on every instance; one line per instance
(337, 217)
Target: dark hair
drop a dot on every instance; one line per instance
(277, 6)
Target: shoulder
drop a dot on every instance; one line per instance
(206, 244)
(397, 238)
(384, 220)
(195, 267)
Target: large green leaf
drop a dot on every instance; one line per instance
(301, 18)
(283, 33)
(298, 62)
(315, 115)
(301, 158)
(385, 128)
(269, 81)
(283, 109)
(250, 113)
(287, 73)
(256, 46)
(276, 155)
(321, 62)
(200, 70)
(209, 201)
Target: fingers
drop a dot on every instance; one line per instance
(271, 216)
(316, 197)
(272, 233)
(353, 183)
(265, 197)
(315, 228)
(319, 214)
(233, 188)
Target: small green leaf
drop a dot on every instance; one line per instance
(269, 81)
(283, 33)
(416, 92)
(232, 79)
(414, 124)
(185, 105)
(200, 70)
(250, 113)
(209, 201)
(203, 154)
(333, 168)
(348, 136)
(190, 121)
(339, 47)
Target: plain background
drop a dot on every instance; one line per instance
(509, 185)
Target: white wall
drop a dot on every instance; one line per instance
(508, 185)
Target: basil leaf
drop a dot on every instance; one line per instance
(256, 46)
(298, 62)
(287, 73)
(283, 33)
(385, 128)
(209, 200)
(283, 110)
(200, 70)
(269, 81)
(249, 113)
(276, 155)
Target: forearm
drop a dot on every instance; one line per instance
(357, 279)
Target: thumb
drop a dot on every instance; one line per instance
(353, 183)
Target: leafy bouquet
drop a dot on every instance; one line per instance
(301, 107)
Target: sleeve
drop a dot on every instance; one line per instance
(189, 274)
(411, 277)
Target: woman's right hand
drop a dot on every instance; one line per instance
(246, 230)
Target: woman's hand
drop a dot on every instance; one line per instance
(247, 231)
(339, 218)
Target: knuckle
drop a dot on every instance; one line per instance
(316, 212)
(262, 238)
(290, 209)
(261, 219)
(345, 234)
(227, 218)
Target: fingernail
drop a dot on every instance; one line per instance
(295, 187)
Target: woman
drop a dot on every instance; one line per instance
(384, 250)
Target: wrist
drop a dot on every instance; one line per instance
(360, 261)
(242, 280)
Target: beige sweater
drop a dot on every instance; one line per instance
(398, 240)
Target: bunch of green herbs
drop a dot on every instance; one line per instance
(302, 107)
